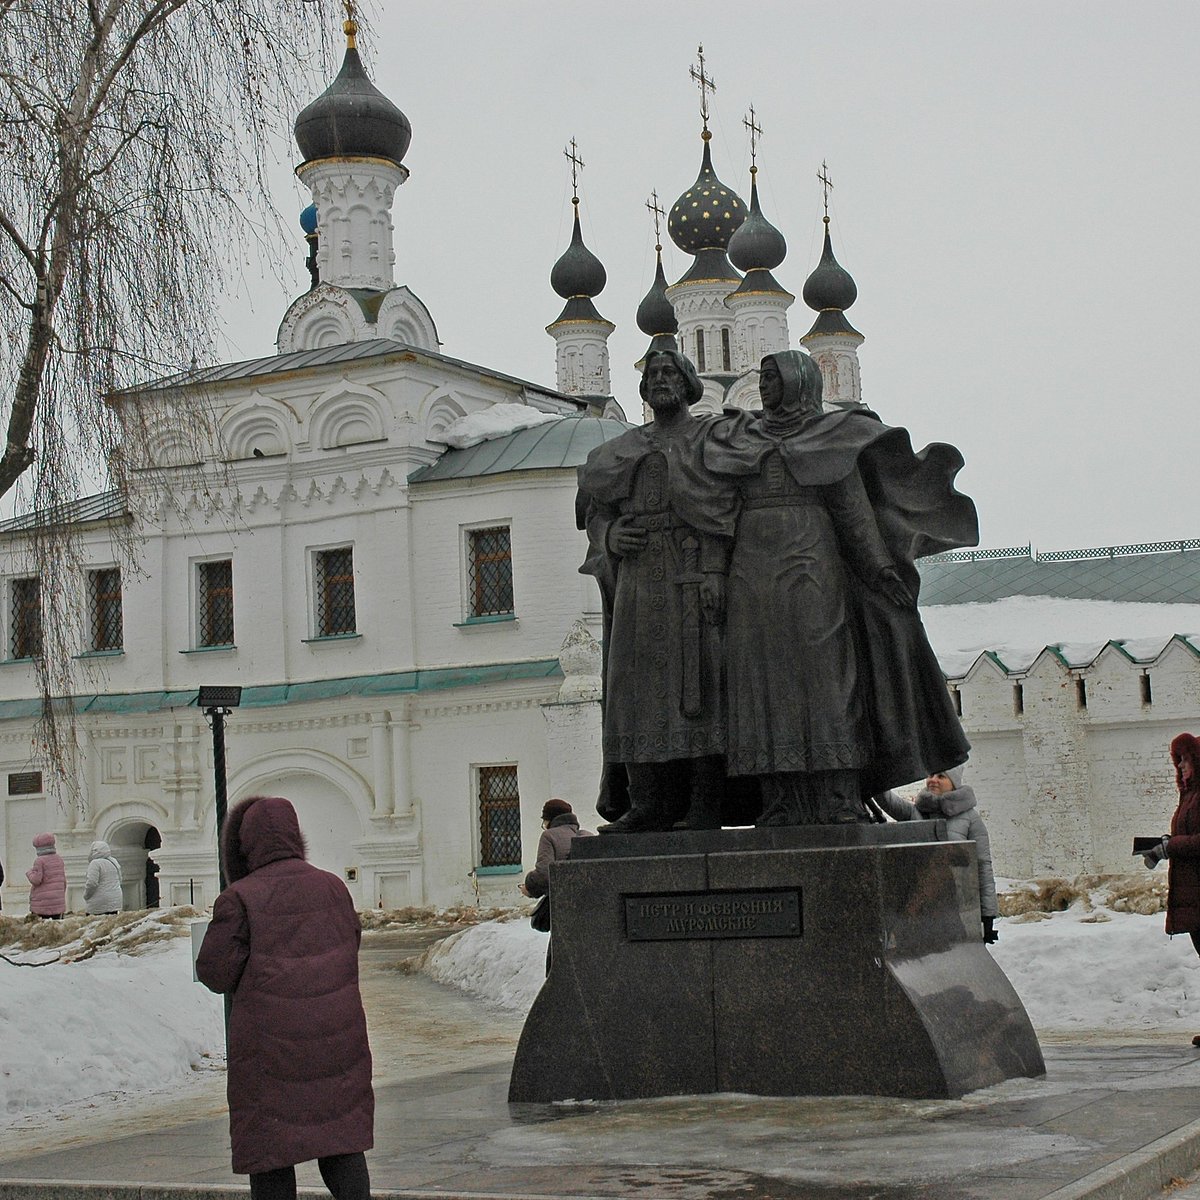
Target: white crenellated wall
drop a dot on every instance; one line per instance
(1064, 788)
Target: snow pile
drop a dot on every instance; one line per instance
(498, 421)
(111, 1022)
(502, 962)
(1102, 971)
(1088, 968)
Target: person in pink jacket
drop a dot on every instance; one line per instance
(47, 880)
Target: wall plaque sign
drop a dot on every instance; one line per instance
(774, 912)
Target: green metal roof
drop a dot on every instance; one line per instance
(105, 506)
(275, 695)
(326, 356)
(562, 443)
(1158, 572)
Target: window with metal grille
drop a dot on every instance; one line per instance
(25, 596)
(499, 817)
(335, 591)
(726, 354)
(104, 606)
(215, 602)
(25, 783)
(699, 349)
(489, 571)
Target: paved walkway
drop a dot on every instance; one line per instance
(1114, 1119)
(1111, 1122)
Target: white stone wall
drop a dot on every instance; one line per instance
(1065, 787)
(354, 206)
(581, 357)
(384, 782)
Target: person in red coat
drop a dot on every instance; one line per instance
(283, 946)
(1181, 847)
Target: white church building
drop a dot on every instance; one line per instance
(377, 543)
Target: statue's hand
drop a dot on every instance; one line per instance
(889, 585)
(625, 537)
(712, 598)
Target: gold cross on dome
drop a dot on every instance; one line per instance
(571, 152)
(657, 211)
(826, 184)
(756, 132)
(704, 82)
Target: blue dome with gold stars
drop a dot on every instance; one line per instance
(707, 214)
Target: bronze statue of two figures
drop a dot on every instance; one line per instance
(764, 661)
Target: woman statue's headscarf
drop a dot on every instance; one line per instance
(802, 390)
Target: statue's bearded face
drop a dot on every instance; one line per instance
(666, 388)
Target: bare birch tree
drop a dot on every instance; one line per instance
(134, 141)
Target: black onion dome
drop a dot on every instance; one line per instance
(756, 243)
(830, 285)
(706, 215)
(656, 314)
(578, 272)
(352, 118)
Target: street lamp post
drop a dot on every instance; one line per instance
(217, 703)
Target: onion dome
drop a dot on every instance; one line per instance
(352, 118)
(656, 314)
(707, 214)
(830, 285)
(756, 243)
(308, 220)
(578, 272)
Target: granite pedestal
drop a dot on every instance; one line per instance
(827, 960)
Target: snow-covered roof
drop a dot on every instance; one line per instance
(1017, 630)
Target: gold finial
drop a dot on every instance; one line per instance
(705, 83)
(658, 212)
(755, 133)
(826, 184)
(571, 152)
(350, 25)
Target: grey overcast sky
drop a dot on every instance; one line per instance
(1014, 192)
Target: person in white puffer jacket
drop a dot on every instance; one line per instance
(102, 886)
(945, 798)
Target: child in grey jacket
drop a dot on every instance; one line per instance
(944, 797)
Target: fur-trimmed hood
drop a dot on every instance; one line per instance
(260, 830)
(945, 804)
(1186, 746)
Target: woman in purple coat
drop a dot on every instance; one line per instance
(283, 945)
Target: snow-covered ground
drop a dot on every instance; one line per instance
(117, 1023)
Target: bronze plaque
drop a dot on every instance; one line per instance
(771, 913)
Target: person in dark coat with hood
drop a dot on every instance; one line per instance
(283, 946)
(1181, 847)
